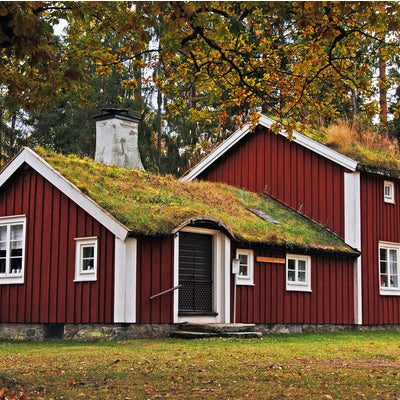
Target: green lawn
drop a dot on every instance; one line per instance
(316, 366)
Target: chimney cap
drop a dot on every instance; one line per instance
(115, 110)
(121, 113)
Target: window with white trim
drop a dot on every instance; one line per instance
(12, 249)
(246, 267)
(388, 189)
(298, 272)
(389, 268)
(86, 259)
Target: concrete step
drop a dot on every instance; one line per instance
(216, 327)
(192, 334)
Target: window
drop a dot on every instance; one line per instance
(389, 192)
(389, 268)
(246, 262)
(12, 249)
(86, 259)
(298, 273)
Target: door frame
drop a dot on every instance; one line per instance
(221, 277)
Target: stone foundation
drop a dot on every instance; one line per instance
(268, 329)
(84, 332)
(92, 332)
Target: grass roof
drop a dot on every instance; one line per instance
(368, 148)
(152, 205)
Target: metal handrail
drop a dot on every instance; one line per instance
(165, 291)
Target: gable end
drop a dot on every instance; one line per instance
(48, 172)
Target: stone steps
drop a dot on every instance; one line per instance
(209, 330)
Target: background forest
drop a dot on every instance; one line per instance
(194, 72)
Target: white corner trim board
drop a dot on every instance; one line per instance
(266, 122)
(125, 280)
(65, 186)
(352, 233)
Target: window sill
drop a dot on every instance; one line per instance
(86, 279)
(244, 283)
(11, 280)
(294, 288)
(389, 292)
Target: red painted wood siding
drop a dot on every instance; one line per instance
(305, 181)
(268, 302)
(380, 222)
(49, 294)
(155, 273)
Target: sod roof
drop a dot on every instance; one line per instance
(153, 205)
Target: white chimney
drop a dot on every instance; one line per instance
(117, 139)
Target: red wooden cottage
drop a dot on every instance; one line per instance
(357, 201)
(90, 247)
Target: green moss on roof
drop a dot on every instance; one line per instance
(368, 148)
(153, 205)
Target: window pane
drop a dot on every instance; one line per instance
(2, 266)
(291, 276)
(393, 268)
(16, 233)
(16, 265)
(384, 280)
(383, 254)
(88, 252)
(302, 276)
(88, 265)
(393, 255)
(394, 281)
(384, 267)
(291, 264)
(243, 270)
(243, 259)
(302, 265)
(3, 233)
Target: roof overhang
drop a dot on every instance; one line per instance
(267, 122)
(29, 157)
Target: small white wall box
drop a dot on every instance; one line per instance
(235, 266)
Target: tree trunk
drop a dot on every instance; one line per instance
(383, 110)
(13, 135)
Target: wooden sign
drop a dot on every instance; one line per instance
(271, 260)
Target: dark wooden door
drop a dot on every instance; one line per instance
(195, 273)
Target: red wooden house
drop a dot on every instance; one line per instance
(357, 201)
(85, 244)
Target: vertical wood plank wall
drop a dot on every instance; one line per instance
(265, 162)
(330, 302)
(49, 294)
(155, 273)
(381, 222)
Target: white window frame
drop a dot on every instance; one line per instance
(8, 277)
(298, 285)
(393, 290)
(80, 274)
(388, 198)
(249, 278)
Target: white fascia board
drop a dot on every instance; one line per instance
(267, 122)
(216, 153)
(66, 187)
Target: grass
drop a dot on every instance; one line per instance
(149, 204)
(310, 366)
(367, 147)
